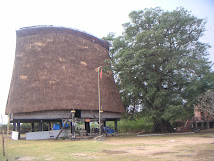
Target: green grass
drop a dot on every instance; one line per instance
(53, 148)
(58, 150)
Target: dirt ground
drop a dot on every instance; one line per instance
(186, 147)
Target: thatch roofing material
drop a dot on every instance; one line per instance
(51, 29)
(57, 71)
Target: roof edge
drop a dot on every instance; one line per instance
(43, 29)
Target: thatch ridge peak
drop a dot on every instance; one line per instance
(44, 29)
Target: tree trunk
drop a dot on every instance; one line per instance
(162, 126)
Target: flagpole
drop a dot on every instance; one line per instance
(99, 99)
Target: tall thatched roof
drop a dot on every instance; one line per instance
(55, 68)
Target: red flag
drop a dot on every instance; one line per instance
(101, 73)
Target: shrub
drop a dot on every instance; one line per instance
(25, 127)
(136, 123)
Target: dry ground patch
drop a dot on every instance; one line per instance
(123, 147)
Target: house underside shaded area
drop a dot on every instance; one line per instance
(59, 117)
(203, 123)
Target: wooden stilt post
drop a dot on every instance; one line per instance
(207, 122)
(102, 130)
(73, 123)
(49, 126)
(40, 125)
(99, 100)
(8, 124)
(18, 129)
(87, 127)
(202, 125)
(32, 127)
(52, 126)
(2, 132)
(71, 127)
(115, 126)
(14, 126)
(60, 124)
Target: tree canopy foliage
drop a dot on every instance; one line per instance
(160, 63)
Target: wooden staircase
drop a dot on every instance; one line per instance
(187, 127)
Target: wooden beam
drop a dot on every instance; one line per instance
(71, 114)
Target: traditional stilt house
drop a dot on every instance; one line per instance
(56, 71)
(202, 119)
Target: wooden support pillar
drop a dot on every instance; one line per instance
(202, 125)
(73, 123)
(115, 126)
(49, 126)
(73, 130)
(14, 126)
(40, 125)
(60, 124)
(71, 127)
(32, 126)
(87, 127)
(18, 129)
(102, 129)
(104, 123)
(207, 122)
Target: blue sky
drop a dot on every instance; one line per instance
(96, 17)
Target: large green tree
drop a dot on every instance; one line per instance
(157, 59)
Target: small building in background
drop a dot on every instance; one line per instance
(202, 119)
